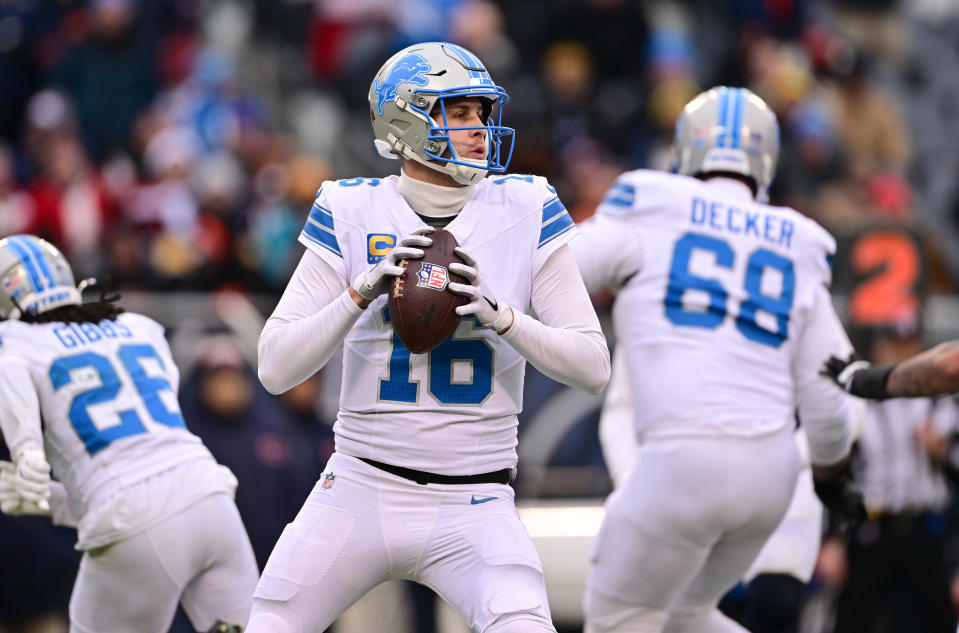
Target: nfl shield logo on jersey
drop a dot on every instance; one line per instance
(432, 276)
(328, 480)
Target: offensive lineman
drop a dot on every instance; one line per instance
(724, 315)
(93, 389)
(418, 487)
(776, 581)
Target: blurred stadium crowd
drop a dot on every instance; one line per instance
(176, 146)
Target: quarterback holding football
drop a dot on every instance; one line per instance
(426, 442)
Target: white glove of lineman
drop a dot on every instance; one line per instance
(31, 478)
(9, 499)
(11, 502)
(376, 281)
(483, 303)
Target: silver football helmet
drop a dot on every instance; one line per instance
(418, 79)
(728, 130)
(34, 276)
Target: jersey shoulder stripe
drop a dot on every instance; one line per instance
(621, 194)
(556, 221)
(319, 228)
(641, 191)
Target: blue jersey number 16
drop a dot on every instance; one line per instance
(477, 352)
(681, 280)
(148, 387)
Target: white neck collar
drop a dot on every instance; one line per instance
(433, 201)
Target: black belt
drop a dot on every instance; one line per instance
(422, 477)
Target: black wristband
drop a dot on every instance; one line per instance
(871, 382)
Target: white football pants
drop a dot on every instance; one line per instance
(366, 526)
(200, 557)
(684, 528)
(794, 547)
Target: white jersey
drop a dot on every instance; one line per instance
(107, 394)
(716, 291)
(458, 403)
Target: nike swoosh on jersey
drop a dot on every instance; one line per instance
(494, 305)
(474, 500)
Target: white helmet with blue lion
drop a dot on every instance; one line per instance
(417, 80)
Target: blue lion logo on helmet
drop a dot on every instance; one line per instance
(408, 70)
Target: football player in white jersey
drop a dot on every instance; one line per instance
(91, 390)
(418, 487)
(776, 581)
(724, 316)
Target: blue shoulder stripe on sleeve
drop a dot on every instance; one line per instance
(620, 195)
(552, 209)
(322, 216)
(556, 221)
(319, 229)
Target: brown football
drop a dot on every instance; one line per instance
(422, 309)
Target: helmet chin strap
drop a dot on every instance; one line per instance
(384, 149)
(468, 175)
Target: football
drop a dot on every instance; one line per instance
(422, 309)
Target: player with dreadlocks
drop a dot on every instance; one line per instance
(89, 392)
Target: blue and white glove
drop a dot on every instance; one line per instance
(12, 502)
(483, 304)
(374, 282)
